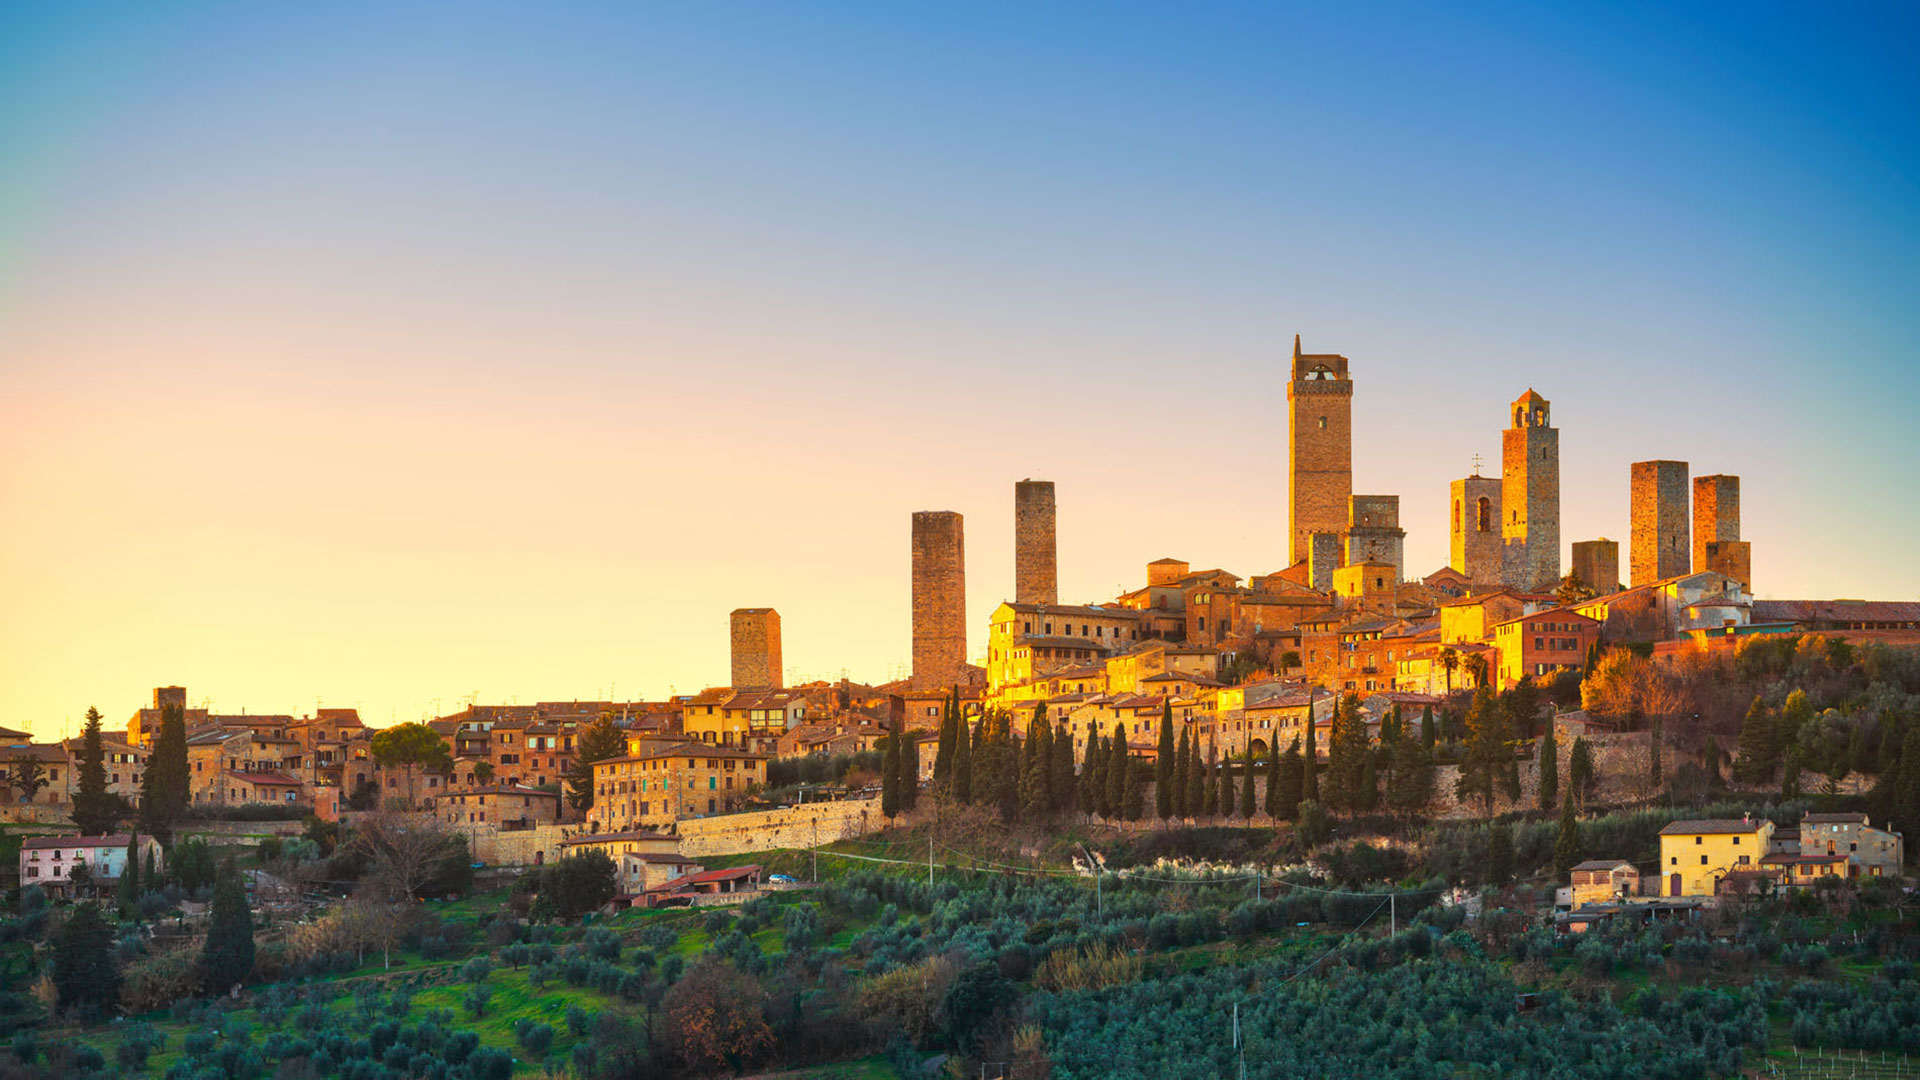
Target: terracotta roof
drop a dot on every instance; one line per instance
(275, 779)
(503, 789)
(1855, 818)
(1554, 613)
(1602, 864)
(1836, 611)
(114, 840)
(1712, 825)
(1082, 611)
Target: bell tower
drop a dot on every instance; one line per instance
(1530, 496)
(1319, 447)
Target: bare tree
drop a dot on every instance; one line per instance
(404, 850)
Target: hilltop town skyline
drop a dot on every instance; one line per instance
(379, 362)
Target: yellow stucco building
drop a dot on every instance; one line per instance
(1695, 855)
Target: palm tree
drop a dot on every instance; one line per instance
(1450, 662)
(1477, 669)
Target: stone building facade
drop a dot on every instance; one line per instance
(1474, 532)
(755, 646)
(1035, 559)
(1374, 534)
(1323, 558)
(1319, 447)
(939, 598)
(1530, 496)
(1659, 547)
(1597, 563)
(1733, 558)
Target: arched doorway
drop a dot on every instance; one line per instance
(1257, 749)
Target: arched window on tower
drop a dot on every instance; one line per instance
(1520, 417)
(1485, 514)
(1456, 514)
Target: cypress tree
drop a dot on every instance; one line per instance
(1247, 801)
(1291, 775)
(1487, 757)
(949, 731)
(163, 788)
(1093, 774)
(227, 957)
(1653, 751)
(1196, 802)
(1117, 771)
(1549, 768)
(1136, 775)
(909, 773)
(1182, 760)
(1036, 774)
(83, 970)
(1062, 785)
(1790, 774)
(1275, 807)
(1310, 765)
(128, 892)
(1426, 726)
(1580, 778)
(1163, 764)
(1347, 750)
(890, 776)
(152, 874)
(1759, 752)
(1369, 794)
(962, 763)
(1210, 787)
(1906, 790)
(1566, 847)
(93, 809)
(1500, 853)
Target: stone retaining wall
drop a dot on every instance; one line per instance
(795, 827)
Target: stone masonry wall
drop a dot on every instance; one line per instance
(795, 827)
(939, 598)
(1035, 566)
(1659, 547)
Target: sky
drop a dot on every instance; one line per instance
(392, 356)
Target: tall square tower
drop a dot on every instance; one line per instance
(755, 645)
(1035, 563)
(1474, 529)
(939, 598)
(1319, 447)
(1659, 547)
(1716, 514)
(1530, 496)
(1374, 534)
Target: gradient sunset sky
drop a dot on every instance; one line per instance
(388, 355)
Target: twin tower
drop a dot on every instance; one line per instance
(940, 579)
(1507, 529)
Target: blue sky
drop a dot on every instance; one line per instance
(321, 318)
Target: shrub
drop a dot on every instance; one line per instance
(536, 1038)
(579, 1021)
(476, 970)
(475, 1002)
(1090, 968)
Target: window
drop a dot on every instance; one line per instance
(1703, 860)
(1323, 423)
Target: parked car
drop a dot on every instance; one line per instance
(781, 879)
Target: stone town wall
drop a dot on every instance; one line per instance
(939, 598)
(517, 847)
(1035, 559)
(794, 827)
(1620, 761)
(1659, 546)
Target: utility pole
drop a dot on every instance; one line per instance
(929, 862)
(1099, 904)
(1393, 914)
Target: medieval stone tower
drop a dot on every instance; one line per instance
(1035, 565)
(1598, 564)
(1374, 533)
(1474, 529)
(756, 649)
(1659, 547)
(939, 598)
(1716, 527)
(1319, 447)
(1530, 496)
